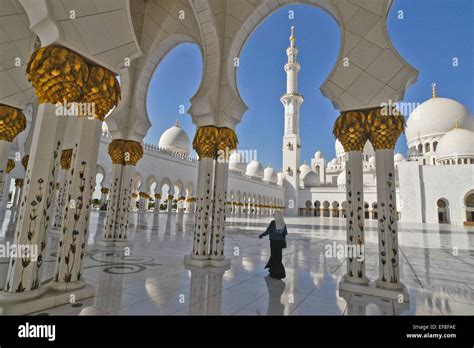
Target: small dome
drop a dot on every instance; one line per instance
(458, 143)
(339, 148)
(270, 175)
(341, 178)
(175, 139)
(318, 155)
(311, 180)
(333, 161)
(436, 116)
(304, 169)
(372, 159)
(237, 162)
(254, 169)
(398, 157)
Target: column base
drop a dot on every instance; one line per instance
(205, 261)
(49, 298)
(356, 281)
(373, 290)
(113, 243)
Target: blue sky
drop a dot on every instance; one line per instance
(430, 35)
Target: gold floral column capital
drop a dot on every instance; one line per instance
(12, 122)
(102, 91)
(57, 74)
(66, 157)
(350, 129)
(205, 141)
(19, 182)
(226, 142)
(384, 128)
(125, 152)
(104, 190)
(10, 165)
(157, 196)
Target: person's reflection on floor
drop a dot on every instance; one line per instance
(276, 288)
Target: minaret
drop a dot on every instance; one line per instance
(291, 137)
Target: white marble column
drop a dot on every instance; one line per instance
(169, 204)
(202, 224)
(389, 272)
(355, 219)
(118, 208)
(75, 226)
(63, 180)
(24, 278)
(218, 214)
(157, 203)
(125, 154)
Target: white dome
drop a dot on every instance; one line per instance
(436, 116)
(175, 139)
(304, 169)
(368, 148)
(334, 161)
(341, 178)
(372, 159)
(237, 162)
(254, 169)
(318, 155)
(398, 157)
(458, 143)
(270, 174)
(311, 180)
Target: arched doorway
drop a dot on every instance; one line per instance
(443, 216)
(317, 208)
(469, 202)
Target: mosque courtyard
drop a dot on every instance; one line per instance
(149, 278)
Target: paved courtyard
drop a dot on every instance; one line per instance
(436, 265)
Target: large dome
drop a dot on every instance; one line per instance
(436, 116)
(175, 139)
(311, 180)
(341, 178)
(457, 143)
(254, 169)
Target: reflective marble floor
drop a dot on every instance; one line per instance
(436, 265)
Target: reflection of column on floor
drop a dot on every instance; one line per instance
(214, 290)
(125, 154)
(197, 292)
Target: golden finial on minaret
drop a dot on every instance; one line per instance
(292, 36)
(433, 90)
(177, 124)
(456, 125)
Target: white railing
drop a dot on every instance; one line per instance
(156, 148)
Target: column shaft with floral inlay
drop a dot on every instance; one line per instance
(350, 129)
(64, 176)
(226, 143)
(384, 129)
(125, 154)
(204, 143)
